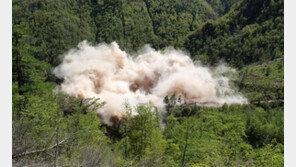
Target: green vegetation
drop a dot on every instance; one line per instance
(263, 83)
(56, 26)
(226, 136)
(51, 129)
(252, 31)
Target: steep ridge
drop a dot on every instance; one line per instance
(251, 32)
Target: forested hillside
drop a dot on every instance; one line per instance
(54, 129)
(53, 26)
(251, 32)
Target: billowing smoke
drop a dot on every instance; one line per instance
(106, 72)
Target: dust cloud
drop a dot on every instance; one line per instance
(105, 71)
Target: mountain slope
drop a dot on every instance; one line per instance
(56, 26)
(251, 32)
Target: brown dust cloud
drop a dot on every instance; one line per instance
(105, 71)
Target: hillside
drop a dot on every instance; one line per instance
(56, 26)
(252, 31)
(236, 120)
(263, 83)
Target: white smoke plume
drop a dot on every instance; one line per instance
(106, 72)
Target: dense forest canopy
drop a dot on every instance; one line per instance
(56, 26)
(253, 31)
(54, 129)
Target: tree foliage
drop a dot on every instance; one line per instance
(252, 31)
